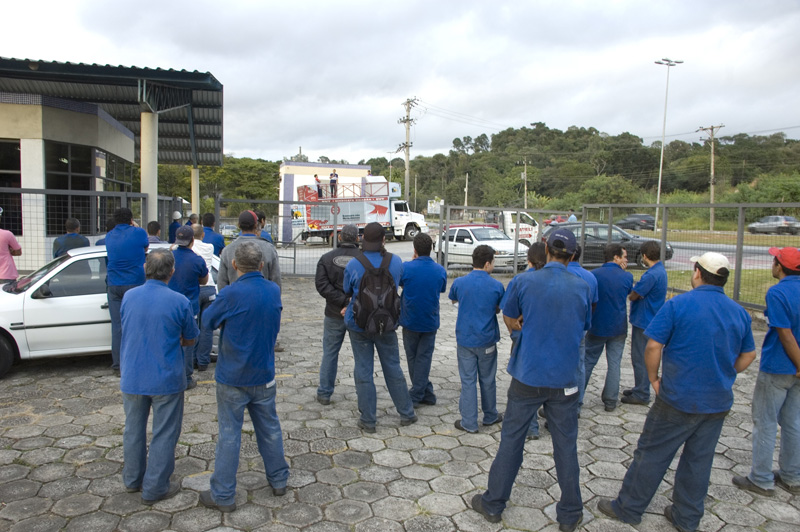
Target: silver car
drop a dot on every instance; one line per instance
(780, 225)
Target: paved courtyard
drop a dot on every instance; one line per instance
(61, 453)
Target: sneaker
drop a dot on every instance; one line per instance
(477, 505)
(496, 421)
(325, 401)
(133, 490)
(213, 358)
(190, 384)
(563, 527)
(116, 372)
(610, 408)
(532, 437)
(279, 492)
(406, 421)
(632, 400)
(457, 425)
(278, 348)
(668, 513)
(785, 485)
(207, 500)
(627, 392)
(174, 489)
(202, 368)
(748, 485)
(366, 428)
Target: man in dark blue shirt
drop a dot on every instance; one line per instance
(176, 223)
(73, 238)
(210, 236)
(248, 313)
(422, 282)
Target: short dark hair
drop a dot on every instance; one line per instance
(651, 249)
(248, 257)
(123, 215)
(159, 264)
(423, 244)
(786, 271)
(559, 254)
(537, 255)
(111, 223)
(209, 219)
(718, 279)
(261, 216)
(481, 255)
(612, 251)
(153, 228)
(578, 251)
(72, 225)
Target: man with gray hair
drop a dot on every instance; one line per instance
(248, 312)
(152, 376)
(248, 223)
(329, 282)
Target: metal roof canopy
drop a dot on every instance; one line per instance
(189, 104)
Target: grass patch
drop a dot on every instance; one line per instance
(717, 237)
(754, 284)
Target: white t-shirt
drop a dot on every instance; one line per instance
(206, 251)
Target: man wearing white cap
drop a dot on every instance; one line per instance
(176, 223)
(705, 339)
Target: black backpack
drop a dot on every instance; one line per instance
(376, 308)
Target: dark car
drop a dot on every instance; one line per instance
(642, 222)
(596, 238)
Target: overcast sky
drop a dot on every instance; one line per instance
(331, 76)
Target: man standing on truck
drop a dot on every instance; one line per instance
(334, 179)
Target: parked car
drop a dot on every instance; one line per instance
(641, 222)
(780, 225)
(596, 238)
(554, 219)
(60, 309)
(229, 231)
(462, 240)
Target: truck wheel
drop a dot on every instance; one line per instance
(411, 231)
(6, 355)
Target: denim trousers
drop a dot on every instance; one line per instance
(614, 345)
(115, 294)
(150, 472)
(419, 354)
(260, 404)
(641, 382)
(202, 347)
(776, 401)
(477, 365)
(333, 333)
(665, 430)
(562, 419)
(364, 346)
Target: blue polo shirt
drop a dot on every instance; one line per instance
(703, 332)
(173, 227)
(783, 311)
(248, 313)
(154, 319)
(479, 296)
(586, 275)
(653, 289)
(127, 249)
(610, 316)
(422, 281)
(556, 309)
(352, 280)
(215, 239)
(189, 267)
(266, 236)
(67, 242)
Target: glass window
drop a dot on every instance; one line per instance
(463, 235)
(82, 277)
(9, 156)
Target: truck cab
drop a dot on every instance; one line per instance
(406, 224)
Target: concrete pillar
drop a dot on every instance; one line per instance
(149, 163)
(36, 246)
(196, 191)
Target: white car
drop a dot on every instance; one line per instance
(461, 241)
(60, 309)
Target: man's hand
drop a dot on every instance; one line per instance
(343, 311)
(186, 343)
(656, 384)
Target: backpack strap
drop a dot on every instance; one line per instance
(365, 261)
(387, 258)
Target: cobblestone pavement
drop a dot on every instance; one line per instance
(61, 453)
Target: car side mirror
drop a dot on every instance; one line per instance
(43, 292)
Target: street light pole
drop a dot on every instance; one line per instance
(668, 63)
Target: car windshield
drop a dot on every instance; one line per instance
(489, 233)
(26, 281)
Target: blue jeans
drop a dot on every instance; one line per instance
(260, 404)
(776, 401)
(364, 346)
(332, 338)
(115, 294)
(202, 347)
(152, 473)
(562, 418)
(477, 365)
(582, 373)
(614, 345)
(665, 430)
(419, 354)
(641, 382)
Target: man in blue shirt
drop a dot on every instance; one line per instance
(572, 218)
(156, 322)
(190, 273)
(210, 236)
(422, 282)
(776, 399)
(364, 344)
(248, 313)
(647, 298)
(705, 339)
(111, 223)
(176, 223)
(555, 310)
(126, 245)
(73, 239)
(609, 321)
(478, 296)
(262, 224)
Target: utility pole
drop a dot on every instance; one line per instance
(466, 190)
(710, 130)
(407, 120)
(669, 63)
(525, 180)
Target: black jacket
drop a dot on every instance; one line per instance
(329, 279)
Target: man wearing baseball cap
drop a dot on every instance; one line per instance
(776, 399)
(705, 339)
(248, 223)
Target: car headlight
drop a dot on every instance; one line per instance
(502, 253)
